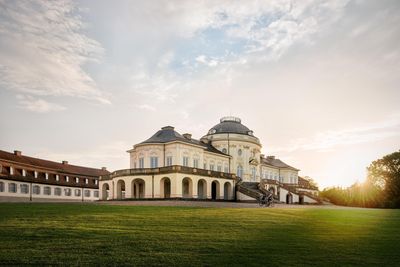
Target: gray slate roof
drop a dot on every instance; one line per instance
(230, 127)
(277, 163)
(168, 134)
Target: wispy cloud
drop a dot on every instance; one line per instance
(146, 107)
(332, 139)
(43, 50)
(37, 105)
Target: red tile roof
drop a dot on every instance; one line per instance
(55, 166)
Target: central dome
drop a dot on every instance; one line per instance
(230, 125)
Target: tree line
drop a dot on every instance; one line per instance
(380, 190)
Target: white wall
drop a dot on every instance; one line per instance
(52, 196)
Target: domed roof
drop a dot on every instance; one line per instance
(230, 125)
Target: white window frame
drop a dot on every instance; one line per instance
(153, 162)
(141, 163)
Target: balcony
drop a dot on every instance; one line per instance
(167, 170)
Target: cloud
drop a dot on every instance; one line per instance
(37, 105)
(206, 61)
(146, 107)
(43, 50)
(331, 139)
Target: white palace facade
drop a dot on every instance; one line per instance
(225, 164)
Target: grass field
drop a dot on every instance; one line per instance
(75, 234)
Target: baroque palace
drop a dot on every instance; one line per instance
(225, 164)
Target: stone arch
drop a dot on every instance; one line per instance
(215, 190)
(138, 188)
(301, 199)
(202, 189)
(187, 188)
(105, 191)
(289, 198)
(227, 191)
(121, 189)
(165, 187)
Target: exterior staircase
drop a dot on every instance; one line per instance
(253, 189)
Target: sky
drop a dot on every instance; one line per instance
(317, 81)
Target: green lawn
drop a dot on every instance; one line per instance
(75, 234)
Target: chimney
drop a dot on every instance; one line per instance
(64, 162)
(187, 136)
(103, 168)
(17, 153)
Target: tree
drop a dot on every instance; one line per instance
(384, 173)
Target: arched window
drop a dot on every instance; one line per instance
(47, 190)
(57, 191)
(239, 152)
(87, 193)
(67, 191)
(24, 188)
(253, 173)
(1, 187)
(12, 188)
(36, 189)
(239, 171)
(77, 192)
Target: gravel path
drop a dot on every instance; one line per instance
(208, 204)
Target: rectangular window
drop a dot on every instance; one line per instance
(169, 161)
(195, 163)
(186, 161)
(86, 181)
(76, 180)
(87, 193)
(67, 179)
(57, 177)
(211, 167)
(96, 193)
(153, 162)
(219, 168)
(141, 163)
(226, 169)
(205, 166)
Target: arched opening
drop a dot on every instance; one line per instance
(202, 189)
(121, 189)
(104, 192)
(165, 187)
(138, 187)
(227, 191)
(289, 198)
(215, 190)
(187, 188)
(301, 199)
